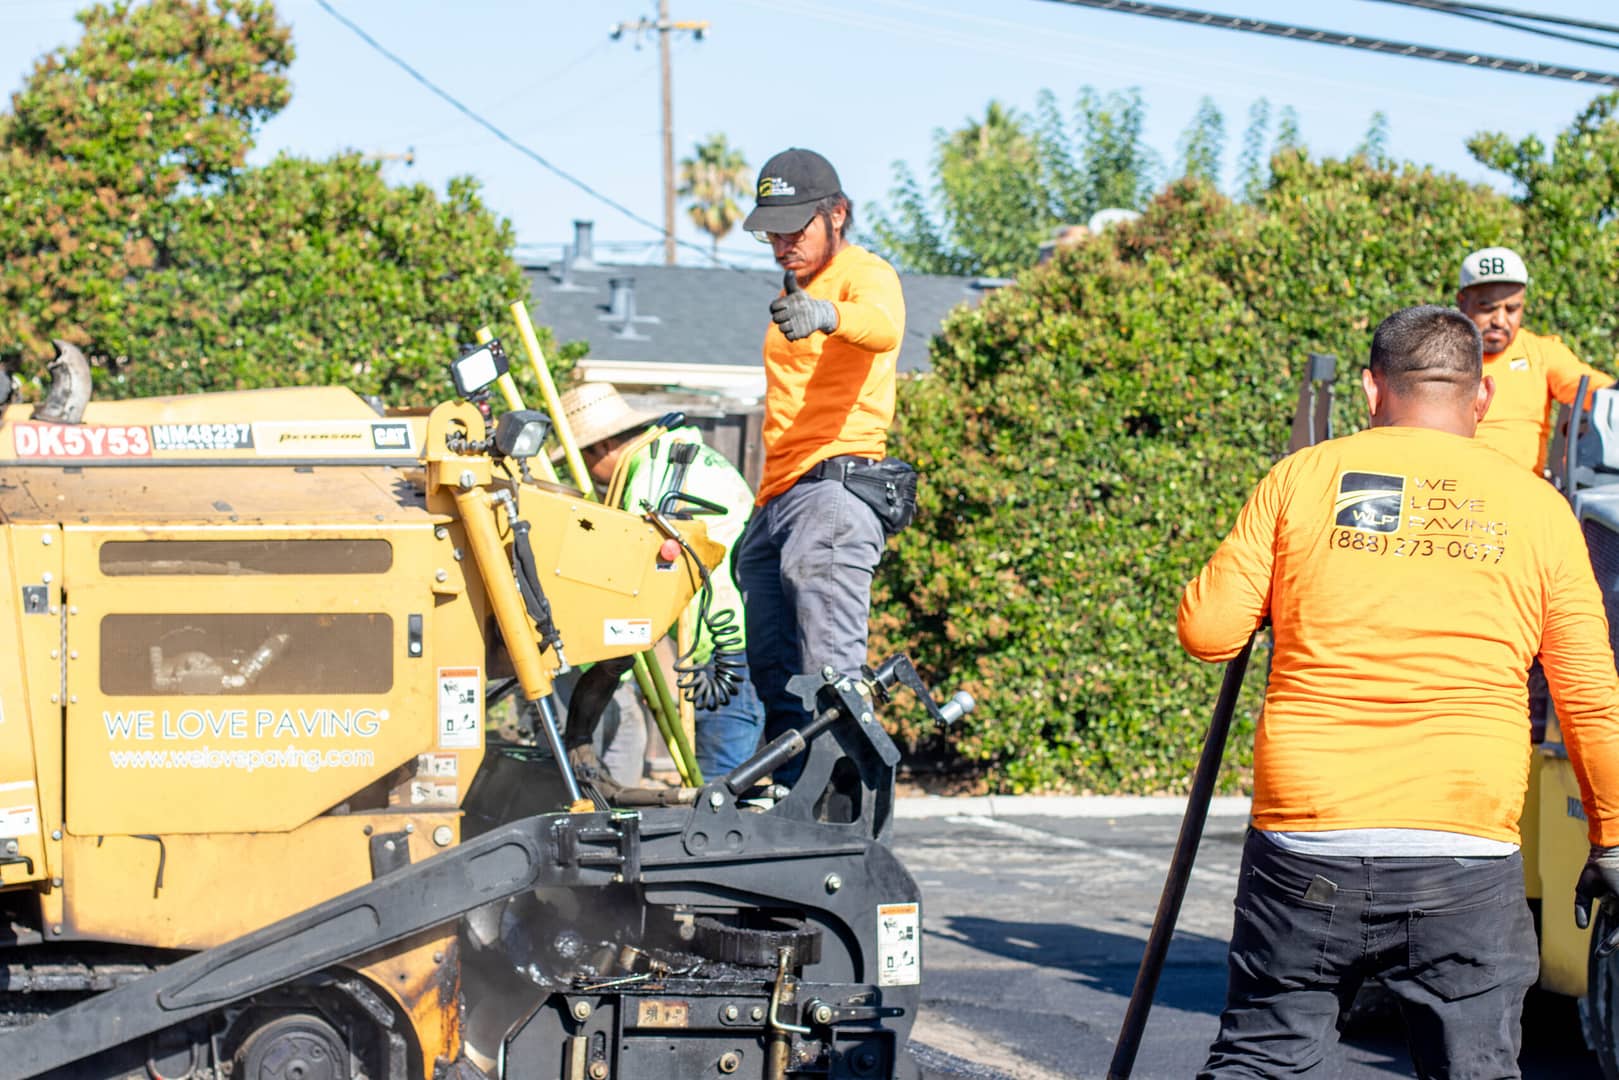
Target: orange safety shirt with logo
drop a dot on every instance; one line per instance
(1528, 375)
(1410, 577)
(833, 394)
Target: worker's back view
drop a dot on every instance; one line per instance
(1411, 573)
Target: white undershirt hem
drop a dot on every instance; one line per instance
(1390, 844)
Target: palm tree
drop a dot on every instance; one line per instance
(709, 181)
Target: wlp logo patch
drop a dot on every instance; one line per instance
(1369, 501)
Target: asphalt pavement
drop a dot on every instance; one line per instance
(1033, 931)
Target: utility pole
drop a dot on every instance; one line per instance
(664, 27)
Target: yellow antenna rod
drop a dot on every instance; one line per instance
(553, 400)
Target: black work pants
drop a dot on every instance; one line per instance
(1452, 939)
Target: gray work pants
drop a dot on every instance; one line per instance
(805, 566)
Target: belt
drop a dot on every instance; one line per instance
(833, 468)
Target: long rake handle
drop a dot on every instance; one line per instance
(1180, 868)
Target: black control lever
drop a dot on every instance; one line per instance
(898, 670)
(830, 698)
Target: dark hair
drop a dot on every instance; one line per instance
(1428, 347)
(830, 203)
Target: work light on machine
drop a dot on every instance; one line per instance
(477, 369)
(521, 433)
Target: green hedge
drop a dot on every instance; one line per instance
(1087, 437)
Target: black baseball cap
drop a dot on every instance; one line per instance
(790, 184)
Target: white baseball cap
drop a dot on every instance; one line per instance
(1493, 264)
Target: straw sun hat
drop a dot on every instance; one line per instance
(597, 411)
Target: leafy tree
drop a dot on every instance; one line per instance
(129, 224)
(1203, 143)
(1253, 166)
(1101, 159)
(1001, 184)
(994, 205)
(1374, 145)
(1568, 194)
(710, 181)
(1287, 131)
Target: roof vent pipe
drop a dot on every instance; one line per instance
(564, 276)
(584, 245)
(621, 310)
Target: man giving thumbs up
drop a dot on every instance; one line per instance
(806, 561)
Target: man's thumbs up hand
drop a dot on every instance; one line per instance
(798, 313)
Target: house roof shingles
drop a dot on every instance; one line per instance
(707, 315)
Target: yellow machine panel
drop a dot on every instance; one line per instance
(188, 715)
(1560, 851)
(164, 890)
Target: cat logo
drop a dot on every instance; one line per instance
(775, 185)
(390, 436)
(1369, 502)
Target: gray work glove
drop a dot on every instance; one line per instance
(1598, 881)
(799, 314)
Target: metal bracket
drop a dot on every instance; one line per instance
(36, 599)
(591, 846)
(389, 852)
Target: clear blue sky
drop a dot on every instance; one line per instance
(864, 81)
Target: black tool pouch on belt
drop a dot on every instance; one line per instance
(888, 487)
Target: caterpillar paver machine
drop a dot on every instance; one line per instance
(251, 822)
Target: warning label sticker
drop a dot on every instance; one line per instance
(460, 708)
(427, 793)
(899, 944)
(626, 631)
(18, 821)
(437, 764)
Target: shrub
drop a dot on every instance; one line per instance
(1087, 437)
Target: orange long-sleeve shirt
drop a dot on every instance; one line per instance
(832, 394)
(1529, 374)
(1411, 576)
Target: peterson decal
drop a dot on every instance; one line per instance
(327, 438)
(31, 440)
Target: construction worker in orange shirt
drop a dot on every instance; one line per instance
(1530, 370)
(829, 497)
(1409, 580)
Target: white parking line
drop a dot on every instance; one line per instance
(1064, 806)
(1050, 839)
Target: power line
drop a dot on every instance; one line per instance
(1469, 11)
(1516, 13)
(527, 152)
(1347, 41)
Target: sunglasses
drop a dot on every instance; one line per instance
(787, 237)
